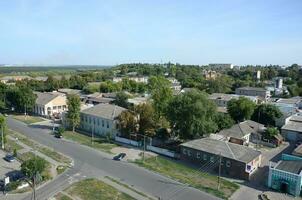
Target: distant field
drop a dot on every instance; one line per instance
(43, 69)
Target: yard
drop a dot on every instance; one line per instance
(28, 119)
(190, 176)
(93, 189)
(98, 143)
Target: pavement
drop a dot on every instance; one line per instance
(89, 162)
(257, 185)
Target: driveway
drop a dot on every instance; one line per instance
(89, 162)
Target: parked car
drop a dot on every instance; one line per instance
(9, 158)
(119, 157)
(58, 134)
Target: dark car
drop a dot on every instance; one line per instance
(119, 157)
(9, 158)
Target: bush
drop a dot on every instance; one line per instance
(12, 185)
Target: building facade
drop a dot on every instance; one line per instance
(237, 161)
(253, 91)
(49, 104)
(101, 120)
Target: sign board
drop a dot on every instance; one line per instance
(6, 180)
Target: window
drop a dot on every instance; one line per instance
(184, 151)
(59, 107)
(98, 122)
(212, 158)
(107, 124)
(228, 163)
(55, 107)
(89, 120)
(103, 123)
(205, 157)
(189, 153)
(198, 155)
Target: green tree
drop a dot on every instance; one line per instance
(73, 113)
(127, 123)
(52, 84)
(241, 109)
(146, 119)
(192, 115)
(161, 94)
(32, 169)
(223, 121)
(121, 99)
(270, 132)
(266, 114)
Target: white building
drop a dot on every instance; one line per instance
(254, 91)
(50, 104)
(101, 119)
(138, 79)
(221, 65)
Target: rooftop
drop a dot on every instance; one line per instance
(228, 97)
(252, 88)
(294, 124)
(106, 111)
(289, 100)
(228, 150)
(292, 166)
(44, 98)
(242, 129)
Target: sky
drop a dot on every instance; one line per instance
(109, 32)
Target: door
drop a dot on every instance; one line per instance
(284, 187)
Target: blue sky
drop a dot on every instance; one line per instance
(111, 32)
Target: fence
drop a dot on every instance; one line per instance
(127, 141)
(161, 151)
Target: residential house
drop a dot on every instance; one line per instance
(50, 104)
(292, 130)
(254, 91)
(97, 98)
(236, 161)
(241, 132)
(209, 74)
(68, 91)
(137, 100)
(286, 175)
(101, 119)
(8, 79)
(138, 79)
(221, 99)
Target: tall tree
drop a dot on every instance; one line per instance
(32, 169)
(74, 107)
(127, 123)
(161, 94)
(146, 119)
(192, 115)
(266, 114)
(241, 109)
(2, 129)
(223, 121)
(121, 99)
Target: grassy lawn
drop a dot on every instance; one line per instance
(45, 150)
(98, 143)
(28, 119)
(94, 189)
(61, 196)
(11, 145)
(187, 175)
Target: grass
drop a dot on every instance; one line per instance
(25, 156)
(61, 168)
(61, 196)
(45, 150)
(94, 189)
(11, 145)
(98, 143)
(187, 175)
(28, 119)
(127, 186)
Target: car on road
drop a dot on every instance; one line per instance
(58, 135)
(9, 158)
(119, 157)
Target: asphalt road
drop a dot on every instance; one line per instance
(92, 163)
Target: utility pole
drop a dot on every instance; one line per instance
(2, 137)
(219, 172)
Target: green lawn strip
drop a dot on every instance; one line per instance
(28, 119)
(61, 168)
(94, 189)
(45, 150)
(98, 143)
(11, 145)
(128, 187)
(177, 171)
(61, 196)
